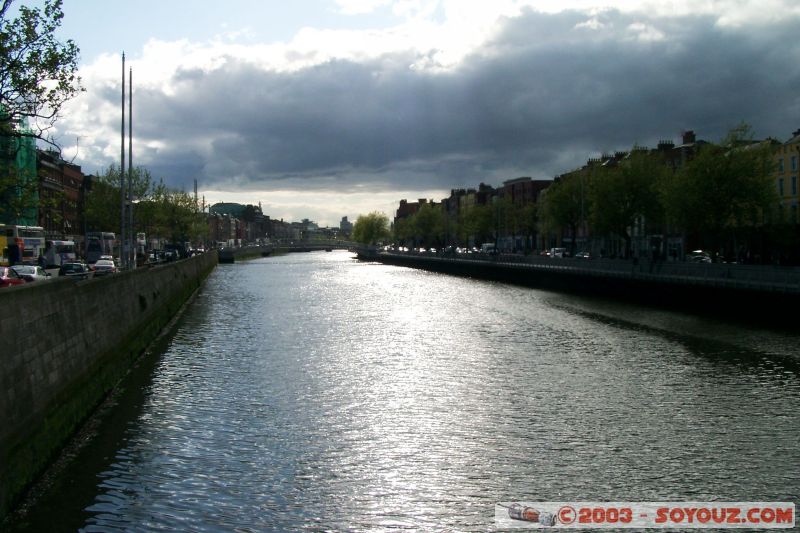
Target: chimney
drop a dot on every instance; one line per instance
(688, 137)
(795, 133)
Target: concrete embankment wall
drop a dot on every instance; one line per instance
(64, 344)
(767, 305)
(231, 255)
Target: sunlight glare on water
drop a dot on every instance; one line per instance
(312, 391)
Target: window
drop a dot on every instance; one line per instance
(794, 185)
(794, 162)
(780, 186)
(794, 213)
(780, 164)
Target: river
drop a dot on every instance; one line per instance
(315, 392)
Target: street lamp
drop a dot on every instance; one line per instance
(129, 252)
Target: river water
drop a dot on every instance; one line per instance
(315, 392)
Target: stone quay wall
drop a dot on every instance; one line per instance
(752, 294)
(64, 344)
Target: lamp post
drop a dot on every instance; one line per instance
(131, 255)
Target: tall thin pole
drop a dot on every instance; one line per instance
(131, 253)
(122, 171)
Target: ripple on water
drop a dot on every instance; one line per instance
(313, 392)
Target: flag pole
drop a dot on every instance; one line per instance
(131, 253)
(122, 171)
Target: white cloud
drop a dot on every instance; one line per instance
(645, 32)
(734, 13)
(591, 24)
(466, 111)
(359, 7)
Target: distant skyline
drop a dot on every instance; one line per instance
(321, 109)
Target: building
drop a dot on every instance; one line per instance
(523, 191)
(62, 188)
(787, 165)
(238, 223)
(345, 226)
(406, 208)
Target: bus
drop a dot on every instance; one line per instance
(57, 253)
(21, 244)
(99, 243)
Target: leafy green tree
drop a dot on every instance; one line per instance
(181, 216)
(476, 222)
(19, 189)
(403, 230)
(509, 217)
(371, 228)
(102, 209)
(725, 189)
(158, 211)
(429, 224)
(563, 206)
(620, 195)
(529, 222)
(38, 73)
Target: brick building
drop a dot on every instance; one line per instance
(61, 196)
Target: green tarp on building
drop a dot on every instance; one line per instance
(19, 195)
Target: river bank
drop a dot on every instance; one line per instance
(760, 294)
(65, 344)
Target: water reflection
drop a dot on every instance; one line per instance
(311, 391)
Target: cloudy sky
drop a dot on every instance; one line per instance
(325, 108)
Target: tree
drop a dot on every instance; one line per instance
(529, 221)
(403, 230)
(509, 218)
(476, 222)
(181, 216)
(19, 184)
(429, 224)
(102, 209)
(371, 228)
(620, 195)
(725, 189)
(38, 73)
(563, 206)
(37, 76)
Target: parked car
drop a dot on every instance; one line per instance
(9, 277)
(31, 272)
(74, 270)
(104, 267)
(698, 256)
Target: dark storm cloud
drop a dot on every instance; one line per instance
(546, 93)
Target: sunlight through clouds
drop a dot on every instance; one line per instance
(391, 97)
